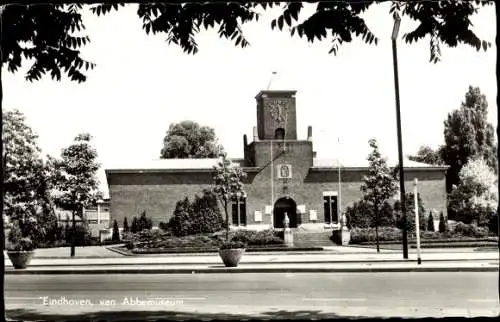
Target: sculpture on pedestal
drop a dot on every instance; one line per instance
(286, 221)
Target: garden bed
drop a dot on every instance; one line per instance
(191, 250)
(456, 240)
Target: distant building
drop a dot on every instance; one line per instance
(97, 218)
(284, 177)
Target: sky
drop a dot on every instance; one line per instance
(141, 85)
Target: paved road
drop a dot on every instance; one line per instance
(320, 295)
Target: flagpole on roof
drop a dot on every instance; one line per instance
(271, 80)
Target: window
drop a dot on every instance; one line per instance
(330, 209)
(239, 212)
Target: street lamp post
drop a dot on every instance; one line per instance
(395, 31)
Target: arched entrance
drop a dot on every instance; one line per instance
(282, 206)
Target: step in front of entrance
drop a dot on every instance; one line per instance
(312, 239)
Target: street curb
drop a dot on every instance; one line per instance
(240, 270)
(361, 261)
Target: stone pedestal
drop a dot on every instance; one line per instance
(288, 237)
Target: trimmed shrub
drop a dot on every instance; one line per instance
(361, 235)
(82, 236)
(410, 212)
(116, 232)
(360, 215)
(135, 225)
(430, 222)
(443, 227)
(126, 228)
(163, 226)
(493, 224)
(201, 216)
(144, 222)
(257, 238)
(471, 230)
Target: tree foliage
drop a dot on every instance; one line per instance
(75, 175)
(188, 139)
(379, 185)
(228, 184)
(50, 35)
(144, 222)
(135, 225)
(410, 212)
(198, 217)
(430, 222)
(428, 155)
(116, 232)
(361, 214)
(126, 228)
(26, 186)
(468, 135)
(476, 197)
(443, 227)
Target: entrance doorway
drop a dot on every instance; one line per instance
(282, 206)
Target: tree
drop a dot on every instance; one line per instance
(125, 225)
(135, 225)
(75, 177)
(426, 154)
(144, 222)
(116, 232)
(476, 197)
(468, 135)
(410, 212)
(188, 139)
(26, 188)
(198, 217)
(379, 185)
(442, 223)
(228, 185)
(430, 222)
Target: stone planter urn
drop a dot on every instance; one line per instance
(231, 256)
(20, 259)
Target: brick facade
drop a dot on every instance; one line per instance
(156, 190)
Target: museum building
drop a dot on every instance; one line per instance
(283, 177)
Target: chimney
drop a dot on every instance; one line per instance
(255, 135)
(245, 141)
(309, 133)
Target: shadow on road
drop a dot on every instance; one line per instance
(32, 315)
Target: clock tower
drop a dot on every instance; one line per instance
(276, 117)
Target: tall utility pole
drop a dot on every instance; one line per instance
(339, 201)
(395, 30)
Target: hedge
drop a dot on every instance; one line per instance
(160, 239)
(360, 235)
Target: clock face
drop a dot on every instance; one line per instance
(278, 109)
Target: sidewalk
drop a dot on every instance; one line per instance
(465, 266)
(264, 263)
(105, 252)
(261, 258)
